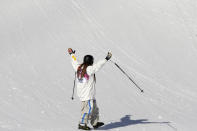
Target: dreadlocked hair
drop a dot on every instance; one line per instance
(81, 71)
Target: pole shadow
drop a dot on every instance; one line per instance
(126, 121)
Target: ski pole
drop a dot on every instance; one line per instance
(128, 76)
(74, 87)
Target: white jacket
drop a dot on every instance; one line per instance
(86, 90)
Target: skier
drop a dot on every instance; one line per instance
(86, 89)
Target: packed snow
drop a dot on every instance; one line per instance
(154, 41)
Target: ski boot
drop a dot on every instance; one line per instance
(98, 124)
(84, 127)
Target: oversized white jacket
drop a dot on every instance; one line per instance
(86, 90)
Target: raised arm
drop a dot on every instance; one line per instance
(74, 62)
(73, 59)
(96, 67)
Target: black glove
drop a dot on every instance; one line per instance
(109, 55)
(70, 51)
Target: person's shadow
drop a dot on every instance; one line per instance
(126, 121)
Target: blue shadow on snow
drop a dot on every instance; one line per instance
(126, 121)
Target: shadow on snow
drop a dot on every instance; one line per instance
(126, 121)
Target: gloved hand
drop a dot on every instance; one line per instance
(71, 51)
(109, 55)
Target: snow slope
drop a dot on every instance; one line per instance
(154, 41)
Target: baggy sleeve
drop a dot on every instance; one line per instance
(96, 67)
(74, 62)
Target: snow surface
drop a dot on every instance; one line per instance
(154, 41)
